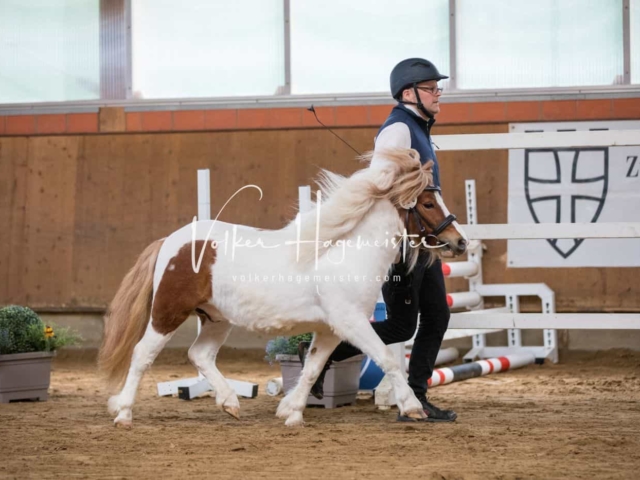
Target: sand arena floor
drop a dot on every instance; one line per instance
(578, 419)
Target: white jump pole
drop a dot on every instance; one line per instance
(460, 269)
(463, 299)
(445, 355)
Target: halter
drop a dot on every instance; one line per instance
(411, 208)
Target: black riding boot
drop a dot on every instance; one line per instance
(434, 414)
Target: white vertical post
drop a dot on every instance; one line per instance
(479, 341)
(128, 49)
(204, 194)
(514, 334)
(626, 42)
(453, 70)
(550, 335)
(204, 210)
(474, 253)
(287, 47)
(304, 198)
(475, 249)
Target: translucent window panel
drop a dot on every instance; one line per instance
(546, 43)
(49, 50)
(339, 47)
(635, 41)
(205, 48)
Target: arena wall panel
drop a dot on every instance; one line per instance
(77, 209)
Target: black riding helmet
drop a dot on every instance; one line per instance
(410, 72)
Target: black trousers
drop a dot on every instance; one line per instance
(422, 291)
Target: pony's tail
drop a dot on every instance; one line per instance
(127, 317)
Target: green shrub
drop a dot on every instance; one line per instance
(285, 345)
(22, 331)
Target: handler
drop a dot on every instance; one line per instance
(414, 84)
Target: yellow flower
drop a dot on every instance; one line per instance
(48, 331)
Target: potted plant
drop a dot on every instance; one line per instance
(341, 380)
(27, 347)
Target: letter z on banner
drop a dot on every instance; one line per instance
(577, 185)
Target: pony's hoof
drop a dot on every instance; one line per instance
(124, 419)
(127, 425)
(418, 415)
(233, 411)
(295, 420)
(123, 422)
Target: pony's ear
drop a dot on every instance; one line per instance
(385, 179)
(428, 167)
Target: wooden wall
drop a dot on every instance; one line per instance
(76, 210)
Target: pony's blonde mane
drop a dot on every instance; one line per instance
(346, 200)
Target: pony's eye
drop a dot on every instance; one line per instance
(428, 205)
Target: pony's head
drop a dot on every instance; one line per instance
(419, 203)
(395, 176)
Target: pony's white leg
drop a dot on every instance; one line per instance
(292, 405)
(203, 354)
(144, 353)
(356, 329)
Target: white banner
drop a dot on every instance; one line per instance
(577, 185)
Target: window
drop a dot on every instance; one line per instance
(339, 47)
(205, 48)
(61, 50)
(635, 41)
(49, 51)
(546, 43)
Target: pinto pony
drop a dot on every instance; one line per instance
(322, 273)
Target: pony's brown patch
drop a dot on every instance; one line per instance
(181, 289)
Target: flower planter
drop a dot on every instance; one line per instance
(340, 384)
(25, 376)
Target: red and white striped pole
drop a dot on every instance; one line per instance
(442, 376)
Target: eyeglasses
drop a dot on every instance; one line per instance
(432, 90)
